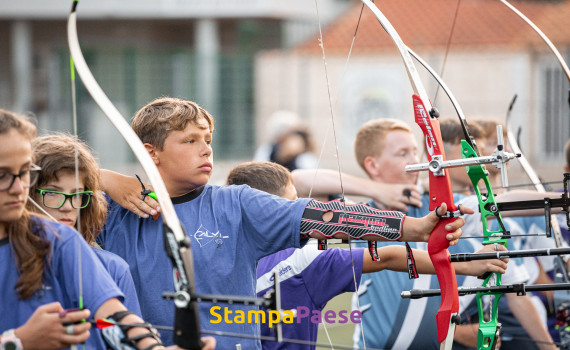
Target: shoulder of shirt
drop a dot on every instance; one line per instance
(54, 230)
(241, 190)
(107, 256)
(226, 192)
(227, 188)
(110, 259)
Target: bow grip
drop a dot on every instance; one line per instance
(440, 192)
(187, 329)
(439, 255)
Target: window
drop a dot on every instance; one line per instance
(554, 109)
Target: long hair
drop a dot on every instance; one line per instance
(31, 250)
(56, 154)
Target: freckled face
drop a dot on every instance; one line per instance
(186, 162)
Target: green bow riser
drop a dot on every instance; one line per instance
(488, 325)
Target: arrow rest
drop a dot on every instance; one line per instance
(434, 113)
(456, 319)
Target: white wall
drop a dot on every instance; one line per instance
(483, 82)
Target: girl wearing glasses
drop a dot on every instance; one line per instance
(77, 201)
(39, 264)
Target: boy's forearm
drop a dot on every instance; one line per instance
(410, 228)
(315, 182)
(525, 312)
(466, 334)
(326, 181)
(109, 179)
(394, 258)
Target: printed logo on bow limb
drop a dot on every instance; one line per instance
(431, 143)
(205, 237)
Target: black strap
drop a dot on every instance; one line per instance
(136, 338)
(373, 250)
(412, 271)
(119, 315)
(152, 332)
(145, 191)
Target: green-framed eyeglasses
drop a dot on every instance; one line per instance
(55, 199)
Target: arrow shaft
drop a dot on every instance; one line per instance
(505, 288)
(509, 254)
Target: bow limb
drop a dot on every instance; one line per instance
(544, 38)
(561, 269)
(187, 325)
(532, 175)
(440, 189)
(488, 330)
(529, 170)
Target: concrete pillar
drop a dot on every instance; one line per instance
(207, 49)
(21, 53)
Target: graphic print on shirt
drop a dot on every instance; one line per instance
(205, 237)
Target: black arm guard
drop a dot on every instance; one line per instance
(357, 220)
(116, 336)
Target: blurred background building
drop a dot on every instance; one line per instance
(200, 50)
(492, 56)
(245, 59)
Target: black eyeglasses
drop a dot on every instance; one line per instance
(56, 199)
(27, 177)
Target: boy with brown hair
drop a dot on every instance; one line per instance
(312, 277)
(230, 228)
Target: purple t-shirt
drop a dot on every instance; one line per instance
(309, 278)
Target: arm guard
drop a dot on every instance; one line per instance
(116, 336)
(358, 221)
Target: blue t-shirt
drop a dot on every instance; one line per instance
(60, 279)
(230, 229)
(119, 271)
(308, 278)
